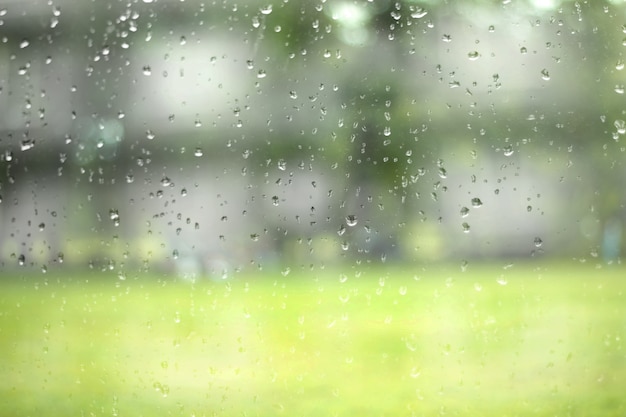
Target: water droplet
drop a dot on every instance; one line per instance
(42, 226)
(147, 70)
(442, 173)
(342, 230)
(619, 65)
(24, 44)
(275, 200)
(282, 165)
(476, 202)
(545, 75)
(261, 74)
(508, 150)
(620, 125)
(266, 9)
(21, 260)
(523, 50)
(473, 55)
(464, 211)
(27, 144)
(254, 237)
(619, 89)
(115, 216)
(415, 372)
(466, 227)
(446, 38)
(351, 220)
(166, 182)
(538, 242)
(387, 131)
(198, 152)
(418, 13)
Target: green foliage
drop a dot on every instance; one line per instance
(528, 340)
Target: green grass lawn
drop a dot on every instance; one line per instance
(525, 340)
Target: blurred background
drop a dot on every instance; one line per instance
(194, 138)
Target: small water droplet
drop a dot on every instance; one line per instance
(418, 13)
(24, 44)
(466, 228)
(476, 202)
(351, 220)
(545, 75)
(198, 152)
(473, 55)
(27, 144)
(147, 70)
(464, 212)
(21, 260)
(266, 9)
(508, 150)
(620, 125)
(446, 38)
(254, 237)
(261, 74)
(166, 182)
(275, 200)
(442, 173)
(282, 165)
(115, 216)
(538, 242)
(523, 50)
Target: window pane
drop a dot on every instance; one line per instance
(312, 207)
